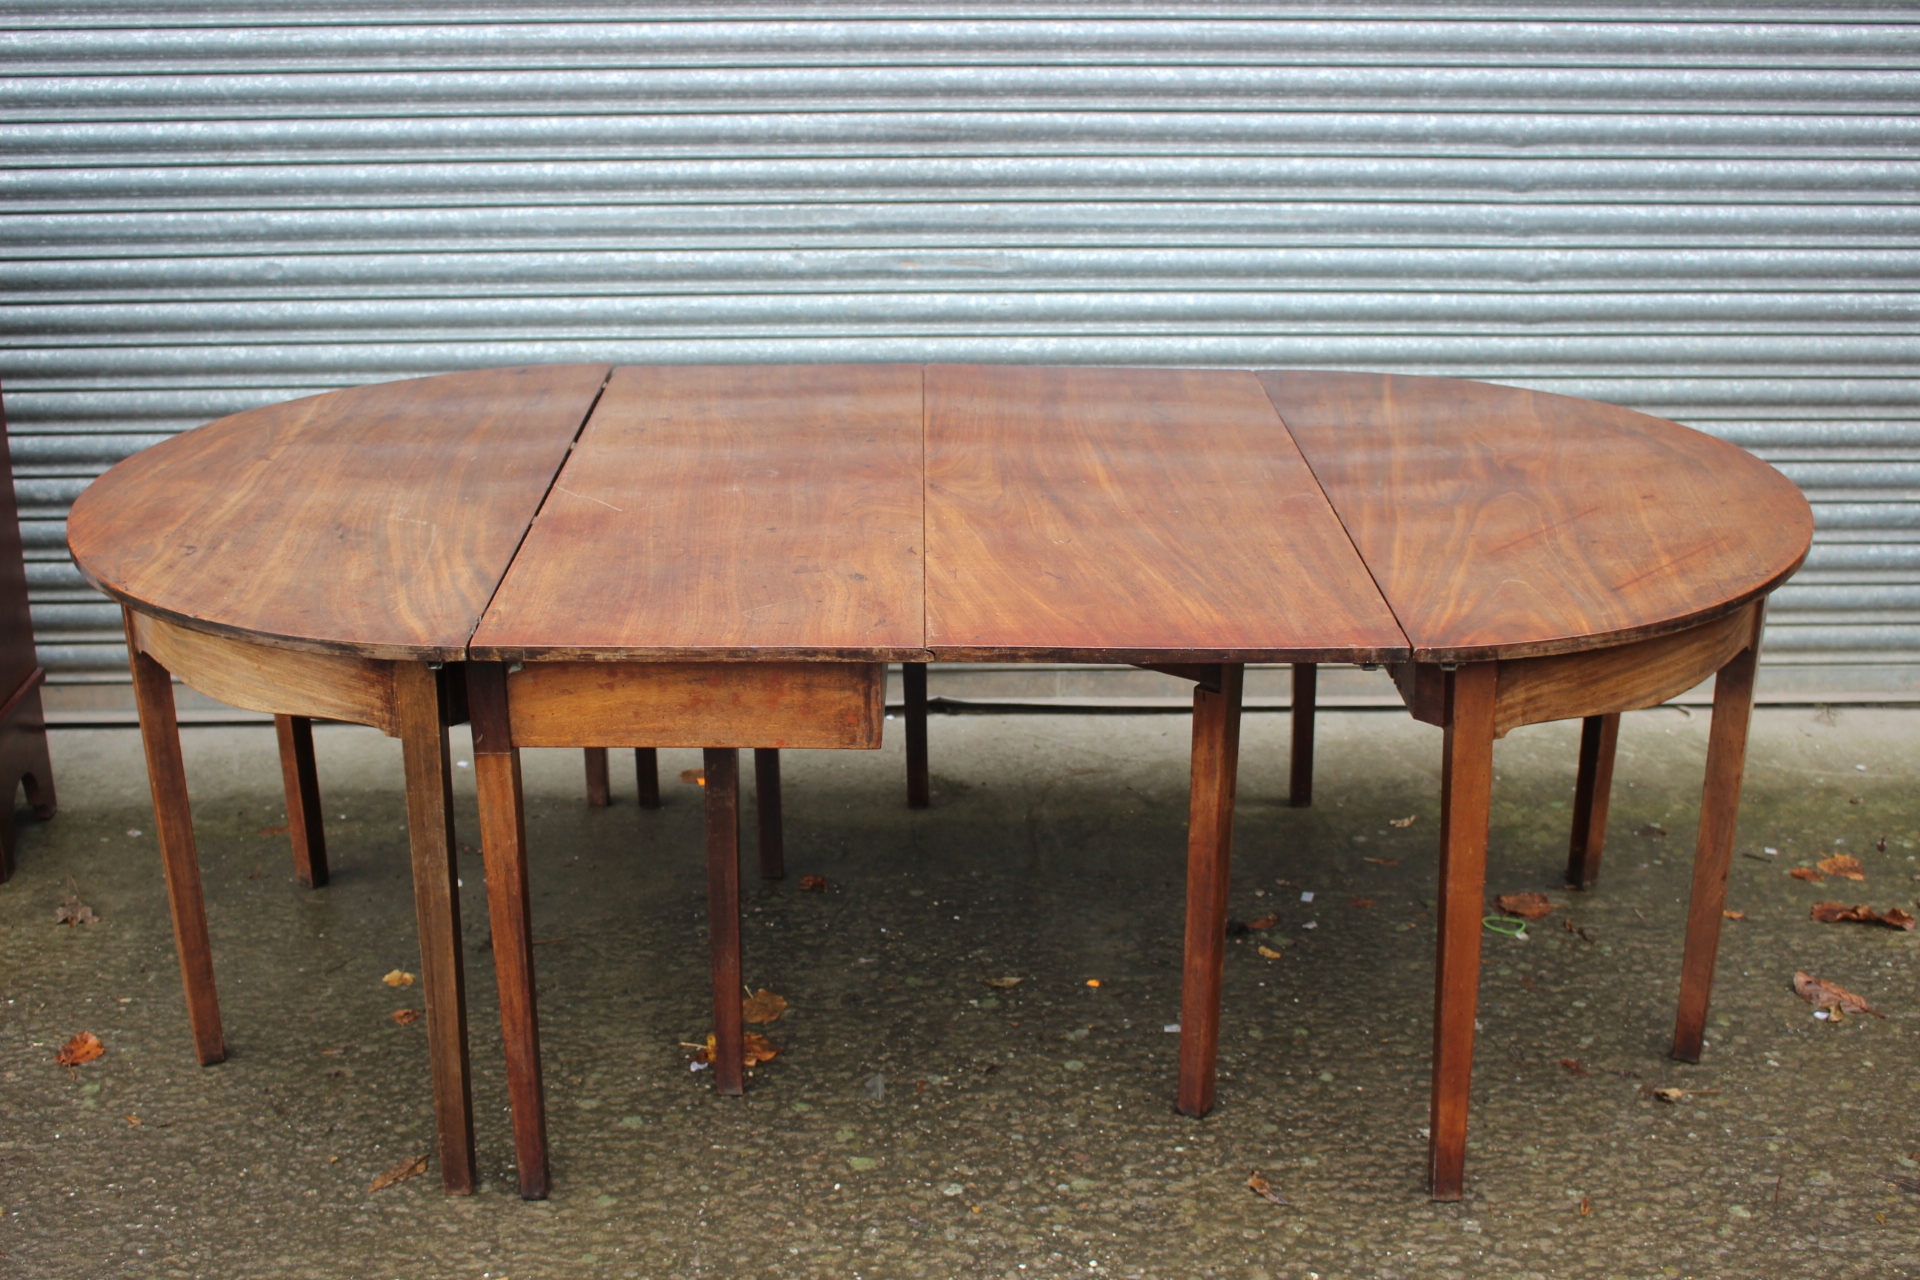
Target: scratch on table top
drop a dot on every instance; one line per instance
(590, 498)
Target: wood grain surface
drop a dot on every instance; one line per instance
(1132, 515)
(375, 521)
(755, 511)
(1506, 523)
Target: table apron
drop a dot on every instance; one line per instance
(258, 677)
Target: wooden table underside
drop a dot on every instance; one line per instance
(725, 557)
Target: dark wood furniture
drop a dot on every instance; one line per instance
(24, 762)
(727, 557)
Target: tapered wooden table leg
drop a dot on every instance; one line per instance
(599, 780)
(436, 902)
(723, 914)
(1713, 854)
(646, 772)
(913, 681)
(1216, 759)
(1306, 679)
(173, 816)
(305, 827)
(1592, 793)
(1466, 797)
(766, 803)
(503, 841)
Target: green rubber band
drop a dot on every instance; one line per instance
(1505, 925)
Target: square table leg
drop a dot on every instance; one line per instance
(646, 774)
(419, 702)
(1713, 853)
(305, 828)
(599, 779)
(1592, 792)
(723, 916)
(1306, 679)
(766, 804)
(503, 844)
(1216, 759)
(1466, 796)
(913, 683)
(173, 816)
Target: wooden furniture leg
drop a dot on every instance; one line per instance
(1591, 795)
(723, 914)
(599, 780)
(173, 817)
(305, 827)
(913, 680)
(646, 772)
(1306, 679)
(1216, 758)
(503, 842)
(429, 772)
(24, 761)
(1466, 797)
(766, 803)
(1713, 854)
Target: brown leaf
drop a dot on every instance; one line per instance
(1362, 902)
(1407, 821)
(401, 1172)
(1258, 1184)
(1528, 906)
(74, 911)
(754, 1048)
(133, 1121)
(813, 884)
(1669, 1095)
(1734, 915)
(1836, 913)
(1264, 922)
(273, 831)
(1268, 952)
(1586, 1206)
(763, 1006)
(1825, 995)
(84, 1047)
(694, 777)
(407, 1017)
(1382, 862)
(1005, 984)
(1574, 1069)
(398, 978)
(1652, 831)
(1844, 865)
(1806, 873)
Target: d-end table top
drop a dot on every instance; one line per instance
(374, 521)
(1504, 523)
(1132, 515)
(743, 511)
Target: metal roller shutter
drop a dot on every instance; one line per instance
(1705, 211)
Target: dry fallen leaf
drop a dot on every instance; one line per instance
(1734, 915)
(401, 1172)
(1528, 906)
(1407, 821)
(1844, 865)
(694, 777)
(1806, 873)
(1268, 952)
(814, 884)
(1586, 1206)
(1669, 1095)
(1382, 862)
(406, 1017)
(754, 1048)
(273, 831)
(74, 911)
(84, 1047)
(1825, 995)
(1573, 1068)
(1258, 1184)
(1005, 984)
(1652, 831)
(133, 1121)
(1361, 902)
(763, 1006)
(1264, 922)
(1836, 913)
(398, 978)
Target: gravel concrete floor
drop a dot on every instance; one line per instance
(920, 1122)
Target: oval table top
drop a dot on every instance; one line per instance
(939, 513)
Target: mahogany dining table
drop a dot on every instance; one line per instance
(727, 557)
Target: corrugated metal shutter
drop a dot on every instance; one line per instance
(1705, 211)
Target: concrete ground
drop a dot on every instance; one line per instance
(920, 1122)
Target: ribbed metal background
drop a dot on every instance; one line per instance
(1708, 212)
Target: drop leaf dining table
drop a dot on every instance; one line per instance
(727, 557)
